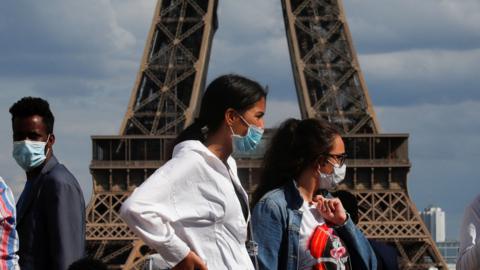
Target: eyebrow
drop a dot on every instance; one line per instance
(27, 134)
(34, 134)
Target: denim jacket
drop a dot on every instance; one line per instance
(276, 221)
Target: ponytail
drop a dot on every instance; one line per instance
(196, 131)
(277, 169)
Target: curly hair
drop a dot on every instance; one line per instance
(29, 106)
(296, 145)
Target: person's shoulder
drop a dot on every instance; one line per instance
(61, 178)
(476, 201)
(272, 204)
(475, 204)
(185, 160)
(275, 196)
(4, 188)
(60, 174)
(3, 185)
(188, 156)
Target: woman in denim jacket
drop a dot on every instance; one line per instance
(295, 229)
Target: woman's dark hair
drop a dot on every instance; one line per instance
(227, 91)
(296, 145)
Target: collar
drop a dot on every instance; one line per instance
(51, 163)
(292, 195)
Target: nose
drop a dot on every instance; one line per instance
(261, 123)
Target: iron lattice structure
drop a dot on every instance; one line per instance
(329, 84)
(164, 100)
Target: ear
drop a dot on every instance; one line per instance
(320, 163)
(51, 140)
(230, 116)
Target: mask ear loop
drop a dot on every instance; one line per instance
(320, 163)
(48, 149)
(231, 130)
(243, 119)
(245, 122)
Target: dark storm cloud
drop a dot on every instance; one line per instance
(415, 53)
(422, 76)
(400, 92)
(63, 37)
(386, 26)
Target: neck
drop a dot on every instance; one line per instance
(32, 174)
(219, 147)
(307, 185)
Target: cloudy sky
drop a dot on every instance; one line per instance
(421, 60)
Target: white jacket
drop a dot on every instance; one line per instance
(469, 253)
(190, 204)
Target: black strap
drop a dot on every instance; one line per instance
(243, 204)
(251, 245)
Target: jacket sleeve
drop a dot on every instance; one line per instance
(268, 233)
(150, 212)
(469, 253)
(65, 213)
(361, 253)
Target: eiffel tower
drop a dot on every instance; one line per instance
(329, 84)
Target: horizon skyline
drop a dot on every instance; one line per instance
(421, 73)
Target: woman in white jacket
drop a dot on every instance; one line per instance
(469, 252)
(193, 210)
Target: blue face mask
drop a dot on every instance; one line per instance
(29, 154)
(247, 143)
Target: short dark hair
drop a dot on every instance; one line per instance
(88, 263)
(29, 106)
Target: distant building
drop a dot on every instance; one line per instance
(449, 251)
(434, 219)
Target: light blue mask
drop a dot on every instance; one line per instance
(29, 154)
(246, 144)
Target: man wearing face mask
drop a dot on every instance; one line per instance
(51, 208)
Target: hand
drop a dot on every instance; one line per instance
(191, 262)
(331, 209)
